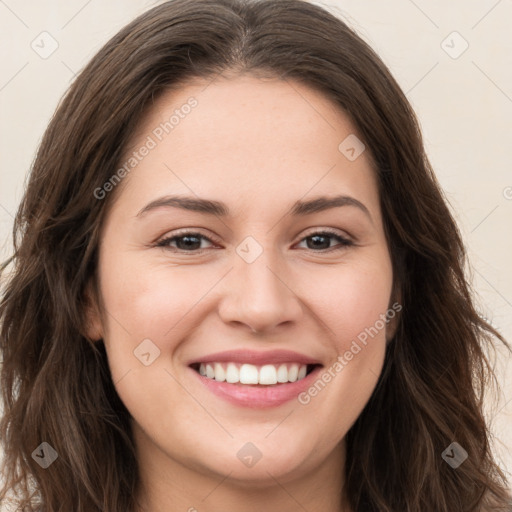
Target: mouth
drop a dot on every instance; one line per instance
(248, 374)
(256, 386)
(255, 379)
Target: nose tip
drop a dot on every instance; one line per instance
(259, 298)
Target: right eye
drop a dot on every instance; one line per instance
(186, 241)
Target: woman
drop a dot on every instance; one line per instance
(174, 334)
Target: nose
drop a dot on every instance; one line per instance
(258, 296)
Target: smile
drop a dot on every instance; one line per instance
(265, 375)
(256, 379)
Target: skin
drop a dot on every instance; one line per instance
(258, 145)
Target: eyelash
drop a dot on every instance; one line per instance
(344, 242)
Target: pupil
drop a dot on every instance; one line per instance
(316, 237)
(187, 245)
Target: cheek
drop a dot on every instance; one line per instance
(352, 300)
(149, 300)
(353, 303)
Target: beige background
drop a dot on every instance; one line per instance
(463, 101)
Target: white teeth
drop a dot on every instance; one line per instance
(248, 374)
(220, 374)
(293, 372)
(232, 373)
(282, 373)
(266, 375)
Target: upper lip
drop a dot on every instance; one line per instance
(256, 357)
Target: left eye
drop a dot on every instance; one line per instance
(327, 235)
(191, 242)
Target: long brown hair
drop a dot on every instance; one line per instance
(56, 385)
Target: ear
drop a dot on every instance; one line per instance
(393, 314)
(93, 325)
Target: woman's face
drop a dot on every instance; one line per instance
(255, 289)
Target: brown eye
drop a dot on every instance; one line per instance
(189, 241)
(186, 242)
(321, 241)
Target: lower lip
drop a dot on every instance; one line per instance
(258, 396)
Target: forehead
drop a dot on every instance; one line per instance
(228, 112)
(242, 137)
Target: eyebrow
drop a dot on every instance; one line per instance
(212, 207)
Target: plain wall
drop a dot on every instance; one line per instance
(463, 100)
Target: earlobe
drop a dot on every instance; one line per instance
(393, 315)
(92, 324)
(391, 329)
